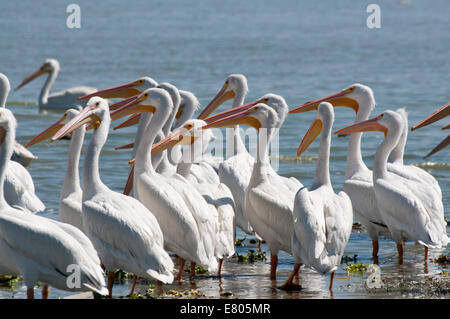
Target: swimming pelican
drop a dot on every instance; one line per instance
(124, 232)
(268, 199)
(437, 115)
(216, 194)
(186, 220)
(70, 199)
(322, 219)
(408, 207)
(20, 154)
(38, 248)
(61, 100)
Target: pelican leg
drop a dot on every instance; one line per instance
(192, 268)
(219, 272)
(45, 292)
(273, 266)
(110, 283)
(288, 284)
(133, 285)
(30, 293)
(331, 280)
(400, 253)
(259, 244)
(375, 248)
(180, 273)
(426, 254)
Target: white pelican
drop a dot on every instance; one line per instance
(61, 100)
(38, 248)
(20, 154)
(322, 220)
(124, 232)
(235, 170)
(18, 186)
(395, 161)
(358, 183)
(216, 194)
(269, 201)
(437, 115)
(70, 199)
(186, 220)
(408, 207)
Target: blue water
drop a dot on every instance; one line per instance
(298, 50)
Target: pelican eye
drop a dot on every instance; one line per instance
(140, 82)
(188, 126)
(97, 104)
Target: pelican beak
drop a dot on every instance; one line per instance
(336, 99)
(446, 127)
(32, 76)
(126, 146)
(234, 110)
(242, 118)
(440, 146)
(313, 131)
(86, 115)
(217, 101)
(132, 120)
(47, 133)
(133, 107)
(129, 185)
(121, 91)
(437, 115)
(180, 110)
(364, 126)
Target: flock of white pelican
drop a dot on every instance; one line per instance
(177, 202)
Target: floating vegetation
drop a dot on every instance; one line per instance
(357, 226)
(252, 256)
(442, 259)
(200, 270)
(239, 241)
(9, 281)
(121, 274)
(359, 268)
(346, 259)
(226, 294)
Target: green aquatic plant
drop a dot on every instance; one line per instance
(346, 259)
(239, 241)
(252, 256)
(200, 270)
(442, 259)
(357, 268)
(9, 281)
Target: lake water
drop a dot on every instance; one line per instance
(298, 50)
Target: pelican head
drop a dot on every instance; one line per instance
(49, 66)
(55, 127)
(324, 118)
(5, 87)
(95, 111)
(235, 85)
(357, 96)
(124, 90)
(389, 122)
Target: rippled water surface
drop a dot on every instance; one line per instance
(299, 50)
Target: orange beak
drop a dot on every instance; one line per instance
(439, 147)
(121, 91)
(218, 100)
(241, 118)
(126, 146)
(364, 126)
(234, 110)
(446, 127)
(437, 115)
(133, 107)
(313, 131)
(32, 76)
(86, 115)
(132, 120)
(47, 133)
(336, 99)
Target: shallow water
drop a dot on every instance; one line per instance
(301, 51)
